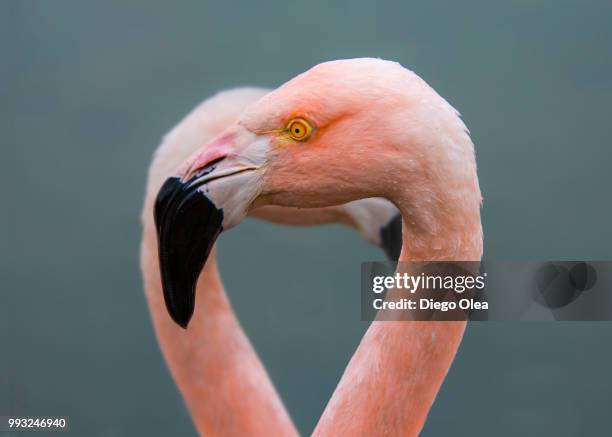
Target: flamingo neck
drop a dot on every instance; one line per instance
(449, 246)
(441, 226)
(400, 366)
(213, 359)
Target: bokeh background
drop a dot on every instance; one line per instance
(87, 89)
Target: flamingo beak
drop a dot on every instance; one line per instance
(213, 193)
(188, 224)
(391, 237)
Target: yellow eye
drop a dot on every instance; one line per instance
(299, 129)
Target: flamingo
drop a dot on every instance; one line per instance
(220, 376)
(342, 131)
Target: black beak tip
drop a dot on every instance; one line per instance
(180, 300)
(181, 319)
(391, 237)
(188, 224)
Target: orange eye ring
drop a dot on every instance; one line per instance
(299, 129)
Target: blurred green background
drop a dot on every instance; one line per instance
(87, 89)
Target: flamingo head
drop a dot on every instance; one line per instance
(342, 131)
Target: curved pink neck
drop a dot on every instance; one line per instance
(396, 372)
(225, 386)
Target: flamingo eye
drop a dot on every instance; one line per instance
(299, 129)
